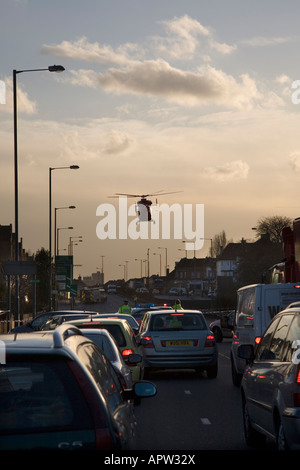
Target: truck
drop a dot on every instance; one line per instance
(256, 305)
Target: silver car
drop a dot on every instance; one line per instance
(271, 384)
(107, 343)
(174, 339)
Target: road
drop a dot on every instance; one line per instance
(191, 412)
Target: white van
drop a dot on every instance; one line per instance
(111, 289)
(257, 304)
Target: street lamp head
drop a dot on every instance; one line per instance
(74, 167)
(56, 68)
(72, 207)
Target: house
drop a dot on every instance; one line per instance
(197, 274)
(246, 263)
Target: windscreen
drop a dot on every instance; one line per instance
(181, 321)
(113, 329)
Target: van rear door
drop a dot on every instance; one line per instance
(276, 298)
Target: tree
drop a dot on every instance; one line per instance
(218, 244)
(42, 274)
(272, 226)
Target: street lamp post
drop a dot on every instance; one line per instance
(57, 236)
(159, 254)
(55, 232)
(51, 68)
(164, 248)
(70, 246)
(71, 167)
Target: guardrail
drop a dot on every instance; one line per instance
(7, 321)
(4, 321)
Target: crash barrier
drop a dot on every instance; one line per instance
(7, 322)
(4, 321)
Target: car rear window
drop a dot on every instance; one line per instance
(40, 396)
(113, 329)
(104, 344)
(182, 321)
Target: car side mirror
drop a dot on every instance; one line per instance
(144, 389)
(246, 351)
(134, 358)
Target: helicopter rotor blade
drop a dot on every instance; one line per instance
(162, 194)
(157, 193)
(123, 194)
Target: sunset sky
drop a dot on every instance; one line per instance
(191, 97)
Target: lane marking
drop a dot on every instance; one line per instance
(205, 421)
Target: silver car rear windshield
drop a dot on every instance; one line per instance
(178, 321)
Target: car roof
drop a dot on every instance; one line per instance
(47, 342)
(64, 312)
(294, 309)
(168, 312)
(105, 321)
(117, 315)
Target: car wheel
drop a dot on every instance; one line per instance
(252, 437)
(218, 335)
(236, 377)
(212, 371)
(281, 442)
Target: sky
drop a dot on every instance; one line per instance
(193, 98)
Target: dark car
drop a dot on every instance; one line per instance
(58, 390)
(107, 343)
(39, 321)
(139, 311)
(57, 320)
(271, 384)
(124, 316)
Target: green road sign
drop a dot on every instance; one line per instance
(64, 272)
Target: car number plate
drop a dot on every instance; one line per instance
(179, 342)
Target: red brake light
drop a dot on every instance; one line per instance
(91, 323)
(126, 353)
(298, 376)
(297, 381)
(147, 342)
(297, 286)
(257, 340)
(210, 341)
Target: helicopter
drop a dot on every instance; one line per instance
(144, 203)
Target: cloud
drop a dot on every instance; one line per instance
(234, 170)
(118, 142)
(294, 160)
(130, 73)
(25, 105)
(262, 41)
(87, 145)
(93, 52)
(183, 39)
(158, 78)
(184, 36)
